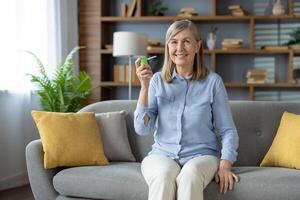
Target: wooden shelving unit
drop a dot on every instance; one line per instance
(93, 15)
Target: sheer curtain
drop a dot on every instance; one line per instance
(27, 25)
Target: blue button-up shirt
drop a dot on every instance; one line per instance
(186, 115)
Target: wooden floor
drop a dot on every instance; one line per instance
(20, 193)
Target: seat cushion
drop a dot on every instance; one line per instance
(267, 183)
(119, 180)
(125, 181)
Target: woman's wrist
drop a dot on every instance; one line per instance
(225, 164)
(144, 87)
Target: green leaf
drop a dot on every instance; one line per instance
(66, 91)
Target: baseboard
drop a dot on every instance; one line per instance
(14, 181)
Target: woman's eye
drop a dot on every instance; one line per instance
(187, 41)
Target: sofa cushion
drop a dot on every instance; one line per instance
(285, 149)
(114, 136)
(125, 181)
(119, 180)
(69, 139)
(267, 183)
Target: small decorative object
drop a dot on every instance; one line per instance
(232, 43)
(65, 92)
(296, 75)
(187, 12)
(157, 9)
(278, 8)
(211, 38)
(236, 10)
(256, 76)
(294, 43)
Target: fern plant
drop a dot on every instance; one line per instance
(295, 37)
(65, 92)
(157, 9)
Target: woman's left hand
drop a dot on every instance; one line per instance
(225, 177)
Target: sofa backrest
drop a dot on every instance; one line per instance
(256, 123)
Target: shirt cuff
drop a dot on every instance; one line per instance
(141, 109)
(231, 159)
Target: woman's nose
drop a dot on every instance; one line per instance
(180, 46)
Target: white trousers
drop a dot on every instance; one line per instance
(167, 180)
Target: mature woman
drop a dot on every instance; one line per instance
(187, 106)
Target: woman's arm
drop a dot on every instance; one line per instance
(146, 110)
(225, 127)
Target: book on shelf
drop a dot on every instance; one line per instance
(156, 48)
(236, 10)
(121, 74)
(153, 42)
(274, 47)
(231, 43)
(254, 81)
(256, 76)
(234, 6)
(131, 8)
(108, 47)
(123, 9)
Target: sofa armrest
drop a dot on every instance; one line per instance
(40, 179)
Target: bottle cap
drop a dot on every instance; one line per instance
(144, 61)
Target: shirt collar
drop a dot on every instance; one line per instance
(175, 75)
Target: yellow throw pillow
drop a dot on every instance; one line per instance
(285, 149)
(69, 139)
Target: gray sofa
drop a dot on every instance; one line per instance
(256, 123)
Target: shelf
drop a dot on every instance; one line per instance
(221, 51)
(195, 18)
(172, 18)
(97, 24)
(231, 85)
(272, 17)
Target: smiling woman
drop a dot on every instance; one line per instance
(36, 26)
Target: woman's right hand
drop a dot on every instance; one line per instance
(143, 72)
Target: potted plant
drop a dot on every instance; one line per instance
(157, 9)
(65, 91)
(294, 43)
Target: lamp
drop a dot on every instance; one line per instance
(129, 44)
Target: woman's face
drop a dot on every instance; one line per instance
(182, 48)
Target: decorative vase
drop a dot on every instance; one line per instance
(296, 75)
(278, 8)
(211, 41)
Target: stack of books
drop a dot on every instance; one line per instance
(256, 76)
(154, 45)
(231, 43)
(135, 6)
(187, 12)
(236, 10)
(121, 74)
